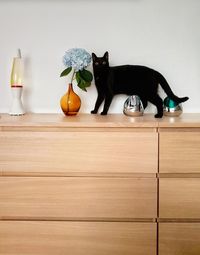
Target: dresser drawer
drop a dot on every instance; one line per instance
(71, 153)
(76, 197)
(179, 152)
(77, 238)
(179, 238)
(179, 198)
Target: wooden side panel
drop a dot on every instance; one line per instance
(76, 197)
(179, 238)
(78, 152)
(179, 152)
(77, 238)
(179, 198)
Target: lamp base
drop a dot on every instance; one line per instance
(17, 108)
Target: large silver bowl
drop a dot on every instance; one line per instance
(133, 106)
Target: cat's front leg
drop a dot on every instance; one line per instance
(107, 103)
(99, 101)
(94, 111)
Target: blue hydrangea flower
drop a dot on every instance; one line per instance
(77, 58)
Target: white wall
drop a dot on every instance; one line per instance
(162, 34)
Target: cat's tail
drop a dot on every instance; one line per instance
(164, 84)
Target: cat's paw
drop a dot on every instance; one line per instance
(158, 115)
(103, 113)
(93, 112)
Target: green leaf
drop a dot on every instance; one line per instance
(66, 72)
(86, 75)
(81, 86)
(78, 77)
(81, 83)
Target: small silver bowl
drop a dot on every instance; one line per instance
(171, 108)
(133, 106)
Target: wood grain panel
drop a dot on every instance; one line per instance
(77, 238)
(71, 197)
(179, 238)
(179, 152)
(32, 153)
(44, 121)
(179, 198)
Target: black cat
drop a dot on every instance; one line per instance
(130, 80)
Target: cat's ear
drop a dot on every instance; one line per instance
(94, 57)
(105, 55)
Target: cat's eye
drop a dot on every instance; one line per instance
(96, 63)
(104, 63)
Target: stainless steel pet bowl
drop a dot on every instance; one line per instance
(171, 108)
(133, 106)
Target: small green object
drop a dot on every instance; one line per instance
(168, 102)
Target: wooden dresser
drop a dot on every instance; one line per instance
(179, 186)
(99, 185)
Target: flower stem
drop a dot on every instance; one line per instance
(73, 75)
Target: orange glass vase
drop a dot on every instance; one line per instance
(70, 103)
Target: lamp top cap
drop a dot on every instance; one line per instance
(19, 54)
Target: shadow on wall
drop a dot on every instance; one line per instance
(28, 81)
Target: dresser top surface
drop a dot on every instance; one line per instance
(98, 121)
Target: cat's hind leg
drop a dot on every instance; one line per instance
(158, 102)
(144, 102)
(99, 101)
